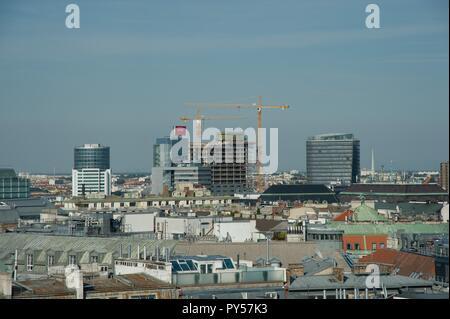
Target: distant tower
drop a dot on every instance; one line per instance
(373, 162)
(91, 172)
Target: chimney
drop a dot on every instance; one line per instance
(338, 274)
(297, 270)
(167, 253)
(74, 280)
(5, 285)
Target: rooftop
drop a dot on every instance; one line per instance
(11, 241)
(390, 228)
(351, 281)
(332, 136)
(364, 213)
(312, 265)
(406, 264)
(395, 189)
(52, 287)
(299, 192)
(7, 173)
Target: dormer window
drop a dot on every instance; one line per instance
(50, 260)
(72, 259)
(29, 262)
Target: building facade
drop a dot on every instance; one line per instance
(443, 175)
(333, 159)
(163, 167)
(91, 172)
(13, 186)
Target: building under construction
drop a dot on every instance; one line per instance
(229, 174)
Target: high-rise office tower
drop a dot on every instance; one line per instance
(333, 159)
(91, 171)
(443, 175)
(13, 186)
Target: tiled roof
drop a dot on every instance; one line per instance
(268, 225)
(407, 264)
(343, 216)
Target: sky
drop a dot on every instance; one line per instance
(124, 77)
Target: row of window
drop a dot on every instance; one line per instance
(51, 260)
(357, 246)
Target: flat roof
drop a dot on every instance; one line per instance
(115, 199)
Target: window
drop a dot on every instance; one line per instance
(210, 268)
(72, 259)
(50, 260)
(374, 246)
(356, 246)
(381, 245)
(94, 259)
(349, 246)
(203, 269)
(104, 268)
(29, 262)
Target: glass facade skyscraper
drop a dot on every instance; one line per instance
(13, 186)
(333, 159)
(91, 156)
(91, 170)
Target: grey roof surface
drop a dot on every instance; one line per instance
(394, 188)
(312, 266)
(12, 241)
(299, 192)
(352, 281)
(8, 216)
(27, 208)
(199, 257)
(288, 253)
(28, 202)
(411, 208)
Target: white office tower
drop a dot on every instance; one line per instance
(91, 173)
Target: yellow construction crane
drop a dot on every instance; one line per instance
(198, 120)
(259, 107)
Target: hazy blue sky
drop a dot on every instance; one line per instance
(122, 79)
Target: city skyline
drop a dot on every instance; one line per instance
(60, 87)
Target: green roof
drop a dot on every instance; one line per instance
(364, 213)
(390, 228)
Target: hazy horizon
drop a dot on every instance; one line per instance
(124, 77)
